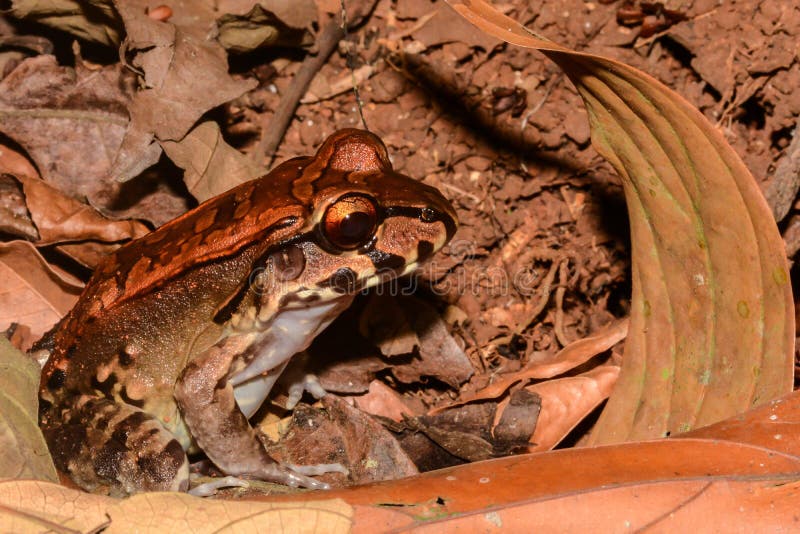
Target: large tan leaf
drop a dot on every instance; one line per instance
(24, 450)
(28, 506)
(712, 327)
(743, 471)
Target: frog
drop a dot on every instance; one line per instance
(179, 336)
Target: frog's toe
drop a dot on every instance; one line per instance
(308, 382)
(290, 477)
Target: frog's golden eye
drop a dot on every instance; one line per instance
(350, 222)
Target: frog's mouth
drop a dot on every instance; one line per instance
(345, 282)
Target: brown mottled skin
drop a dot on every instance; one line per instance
(145, 365)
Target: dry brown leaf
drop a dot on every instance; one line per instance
(712, 322)
(569, 357)
(340, 433)
(384, 324)
(383, 401)
(567, 401)
(211, 165)
(80, 231)
(25, 452)
(69, 122)
(710, 505)
(172, 512)
(774, 425)
(31, 506)
(176, 58)
(400, 326)
(33, 293)
(443, 27)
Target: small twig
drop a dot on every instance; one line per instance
(524, 123)
(558, 324)
(350, 65)
(545, 287)
(273, 128)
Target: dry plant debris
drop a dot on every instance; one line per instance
(511, 343)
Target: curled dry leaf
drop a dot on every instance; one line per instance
(24, 449)
(62, 219)
(383, 401)
(79, 230)
(712, 322)
(94, 20)
(294, 13)
(33, 293)
(259, 28)
(567, 401)
(15, 220)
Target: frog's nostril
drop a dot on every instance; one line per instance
(427, 215)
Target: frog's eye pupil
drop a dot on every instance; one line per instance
(350, 222)
(355, 225)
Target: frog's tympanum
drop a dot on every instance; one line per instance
(179, 336)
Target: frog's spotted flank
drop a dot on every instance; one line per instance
(179, 336)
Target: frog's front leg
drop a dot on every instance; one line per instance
(206, 399)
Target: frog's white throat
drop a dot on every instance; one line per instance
(290, 331)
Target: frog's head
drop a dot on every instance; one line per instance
(364, 223)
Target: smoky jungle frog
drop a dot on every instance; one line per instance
(179, 336)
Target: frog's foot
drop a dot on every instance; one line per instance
(291, 475)
(207, 489)
(298, 386)
(299, 476)
(104, 444)
(318, 469)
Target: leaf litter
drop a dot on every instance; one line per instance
(540, 261)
